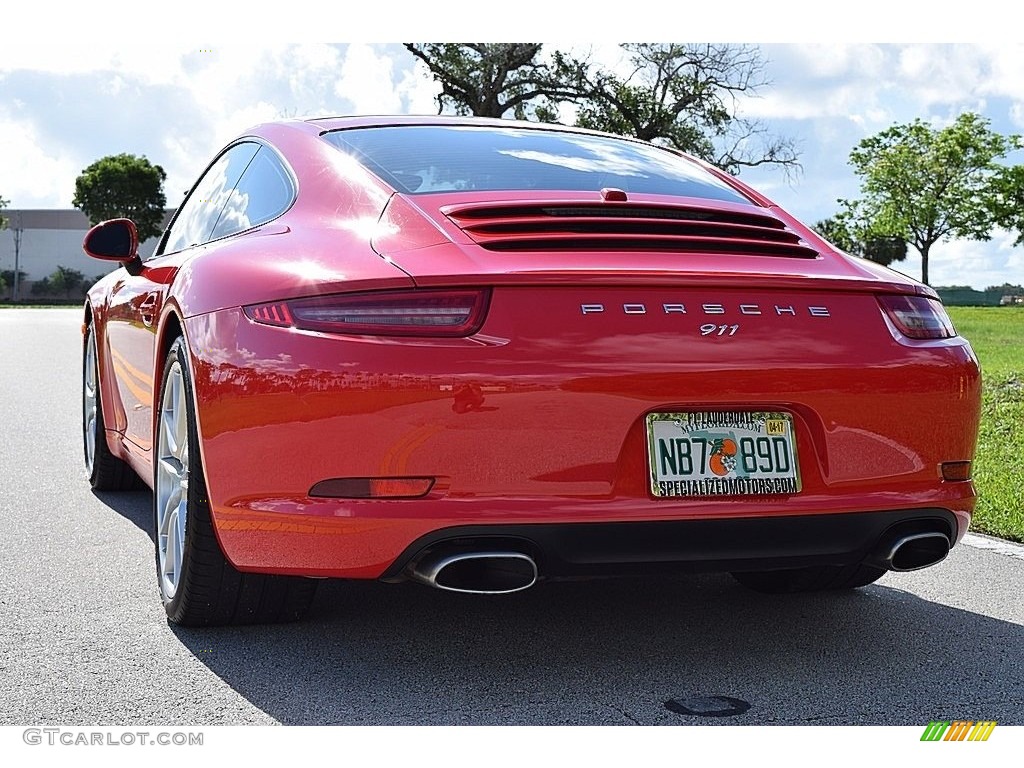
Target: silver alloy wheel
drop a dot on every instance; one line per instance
(90, 402)
(172, 480)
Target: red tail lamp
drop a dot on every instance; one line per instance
(917, 317)
(445, 313)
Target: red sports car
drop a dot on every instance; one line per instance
(482, 353)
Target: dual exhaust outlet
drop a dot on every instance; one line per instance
(912, 551)
(478, 573)
(502, 572)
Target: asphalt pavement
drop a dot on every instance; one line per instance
(84, 641)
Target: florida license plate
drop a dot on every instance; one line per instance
(722, 453)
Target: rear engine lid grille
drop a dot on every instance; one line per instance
(627, 227)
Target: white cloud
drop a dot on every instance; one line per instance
(366, 82)
(1005, 65)
(841, 60)
(975, 263)
(418, 90)
(34, 177)
(875, 85)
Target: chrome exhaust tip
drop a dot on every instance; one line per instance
(477, 573)
(915, 551)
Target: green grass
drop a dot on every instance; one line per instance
(997, 335)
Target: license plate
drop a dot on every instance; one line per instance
(722, 453)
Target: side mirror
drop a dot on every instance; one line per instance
(114, 240)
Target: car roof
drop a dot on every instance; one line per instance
(324, 124)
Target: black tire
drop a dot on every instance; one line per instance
(207, 589)
(106, 471)
(812, 579)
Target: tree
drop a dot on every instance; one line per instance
(925, 185)
(3, 220)
(7, 276)
(681, 95)
(1009, 205)
(848, 236)
(123, 186)
(489, 79)
(42, 287)
(66, 280)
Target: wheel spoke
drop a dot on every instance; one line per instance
(166, 437)
(170, 412)
(170, 467)
(170, 505)
(179, 539)
(180, 424)
(170, 542)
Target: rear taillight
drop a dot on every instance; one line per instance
(391, 313)
(917, 317)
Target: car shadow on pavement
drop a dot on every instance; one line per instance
(614, 652)
(134, 506)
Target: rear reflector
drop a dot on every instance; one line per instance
(399, 313)
(955, 471)
(917, 317)
(373, 487)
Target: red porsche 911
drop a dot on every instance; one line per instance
(480, 354)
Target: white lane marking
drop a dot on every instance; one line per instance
(1008, 548)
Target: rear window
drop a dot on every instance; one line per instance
(420, 159)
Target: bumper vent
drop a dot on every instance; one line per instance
(627, 227)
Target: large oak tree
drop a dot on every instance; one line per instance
(491, 79)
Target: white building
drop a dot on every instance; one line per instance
(43, 239)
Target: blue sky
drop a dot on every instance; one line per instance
(64, 103)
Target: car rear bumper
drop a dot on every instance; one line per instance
(377, 539)
(615, 549)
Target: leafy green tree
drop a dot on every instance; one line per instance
(925, 184)
(7, 276)
(3, 220)
(858, 241)
(1009, 205)
(123, 186)
(42, 287)
(65, 280)
(1017, 290)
